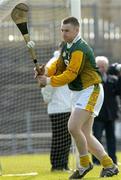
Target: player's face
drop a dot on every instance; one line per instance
(69, 32)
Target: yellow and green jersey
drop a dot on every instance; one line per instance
(76, 67)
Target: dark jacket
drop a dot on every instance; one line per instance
(119, 86)
(109, 110)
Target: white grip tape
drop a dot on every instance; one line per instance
(31, 44)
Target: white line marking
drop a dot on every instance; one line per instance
(21, 174)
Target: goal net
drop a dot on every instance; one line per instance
(24, 123)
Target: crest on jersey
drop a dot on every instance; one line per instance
(64, 54)
(66, 62)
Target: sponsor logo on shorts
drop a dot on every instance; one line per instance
(78, 104)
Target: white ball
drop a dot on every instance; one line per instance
(31, 44)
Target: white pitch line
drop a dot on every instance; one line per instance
(21, 174)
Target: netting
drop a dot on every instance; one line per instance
(25, 125)
(21, 106)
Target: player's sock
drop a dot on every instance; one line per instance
(106, 161)
(84, 160)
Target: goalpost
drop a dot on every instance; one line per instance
(25, 126)
(76, 12)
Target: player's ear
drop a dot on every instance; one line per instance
(77, 29)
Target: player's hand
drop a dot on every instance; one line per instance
(41, 71)
(42, 80)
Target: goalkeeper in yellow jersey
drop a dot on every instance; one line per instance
(76, 67)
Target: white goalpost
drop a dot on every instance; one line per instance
(76, 12)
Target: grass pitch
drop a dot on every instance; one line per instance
(37, 167)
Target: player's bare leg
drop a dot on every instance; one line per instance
(80, 126)
(96, 148)
(76, 122)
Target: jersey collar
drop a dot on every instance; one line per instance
(74, 41)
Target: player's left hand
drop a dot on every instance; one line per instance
(41, 70)
(42, 80)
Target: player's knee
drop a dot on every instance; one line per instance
(72, 129)
(87, 134)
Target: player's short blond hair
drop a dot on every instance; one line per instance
(71, 20)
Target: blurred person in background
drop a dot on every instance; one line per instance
(115, 69)
(105, 121)
(59, 108)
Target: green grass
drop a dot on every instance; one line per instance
(40, 163)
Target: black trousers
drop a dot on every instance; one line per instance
(61, 140)
(109, 127)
